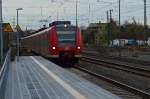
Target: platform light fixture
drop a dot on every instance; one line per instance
(18, 43)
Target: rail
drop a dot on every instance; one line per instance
(118, 58)
(3, 75)
(136, 91)
(124, 67)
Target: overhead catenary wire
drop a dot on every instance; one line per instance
(129, 8)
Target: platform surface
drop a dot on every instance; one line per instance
(37, 78)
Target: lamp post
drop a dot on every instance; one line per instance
(1, 32)
(18, 36)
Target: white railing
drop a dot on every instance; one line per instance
(3, 74)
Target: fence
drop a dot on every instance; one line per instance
(3, 75)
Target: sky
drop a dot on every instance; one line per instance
(89, 11)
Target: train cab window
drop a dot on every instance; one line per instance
(66, 35)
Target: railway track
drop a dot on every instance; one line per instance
(118, 88)
(123, 67)
(117, 58)
(123, 90)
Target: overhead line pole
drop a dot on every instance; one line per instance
(119, 30)
(89, 12)
(57, 15)
(111, 27)
(76, 12)
(76, 16)
(119, 20)
(145, 21)
(108, 30)
(1, 33)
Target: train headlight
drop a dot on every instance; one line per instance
(78, 47)
(65, 25)
(53, 48)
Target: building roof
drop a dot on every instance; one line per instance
(96, 24)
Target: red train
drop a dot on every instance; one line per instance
(60, 41)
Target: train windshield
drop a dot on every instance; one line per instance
(66, 35)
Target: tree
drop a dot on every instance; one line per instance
(133, 30)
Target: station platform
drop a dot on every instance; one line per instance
(34, 77)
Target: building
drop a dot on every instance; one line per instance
(96, 33)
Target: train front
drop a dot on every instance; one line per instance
(68, 46)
